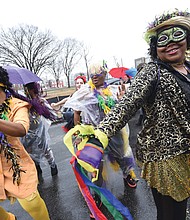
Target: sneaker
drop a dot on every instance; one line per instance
(54, 170)
(130, 182)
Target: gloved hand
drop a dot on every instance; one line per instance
(92, 152)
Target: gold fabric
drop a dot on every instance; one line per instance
(170, 177)
(166, 129)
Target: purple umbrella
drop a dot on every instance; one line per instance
(18, 75)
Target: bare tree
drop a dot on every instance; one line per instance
(57, 69)
(71, 56)
(85, 55)
(26, 46)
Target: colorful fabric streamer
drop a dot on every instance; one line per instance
(84, 131)
(114, 206)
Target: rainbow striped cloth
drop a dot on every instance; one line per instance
(113, 205)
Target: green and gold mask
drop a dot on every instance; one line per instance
(172, 34)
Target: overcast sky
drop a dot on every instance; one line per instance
(109, 28)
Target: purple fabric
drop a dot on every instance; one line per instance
(90, 155)
(36, 105)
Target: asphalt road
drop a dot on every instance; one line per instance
(63, 198)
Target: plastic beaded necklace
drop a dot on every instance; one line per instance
(105, 104)
(4, 145)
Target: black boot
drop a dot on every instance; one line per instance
(39, 172)
(54, 170)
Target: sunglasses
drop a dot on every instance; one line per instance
(96, 74)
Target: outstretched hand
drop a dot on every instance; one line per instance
(121, 91)
(55, 106)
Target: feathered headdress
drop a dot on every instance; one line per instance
(176, 17)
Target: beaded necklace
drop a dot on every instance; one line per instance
(5, 147)
(105, 104)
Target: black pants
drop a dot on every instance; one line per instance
(168, 208)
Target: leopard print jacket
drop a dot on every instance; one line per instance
(166, 129)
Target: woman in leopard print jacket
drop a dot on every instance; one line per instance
(162, 88)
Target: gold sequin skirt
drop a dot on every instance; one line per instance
(170, 177)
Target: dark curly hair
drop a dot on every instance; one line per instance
(33, 86)
(4, 78)
(152, 51)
